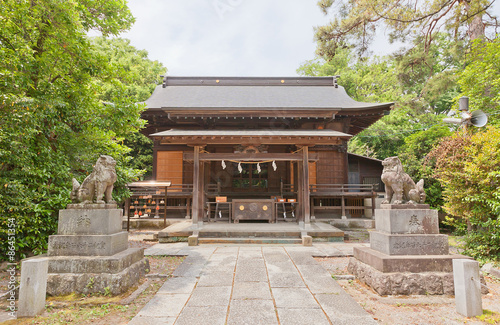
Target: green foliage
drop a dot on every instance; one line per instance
(480, 80)
(420, 92)
(53, 125)
(413, 156)
(355, 23)
(135, 79)
(468, 166)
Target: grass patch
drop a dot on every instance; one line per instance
(489, 317)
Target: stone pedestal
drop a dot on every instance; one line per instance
(407, 255)
(90, 253)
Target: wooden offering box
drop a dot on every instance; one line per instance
(255, 209)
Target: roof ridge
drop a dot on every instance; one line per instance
(248, 81)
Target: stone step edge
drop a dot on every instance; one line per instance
(256, 240)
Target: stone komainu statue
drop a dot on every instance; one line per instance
(399, 185)
(98, 184)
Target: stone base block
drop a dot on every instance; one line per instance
(92, 206)
(405, 206)
(87, 283)
(193, 240)
(89, 222)
(92, 264)
(87, 245)
(407, 221)
(406, 263)
(409, 244)
(307, 240)
(427, 283)
(353, 223)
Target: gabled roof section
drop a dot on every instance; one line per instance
(255, 93)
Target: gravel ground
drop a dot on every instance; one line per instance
(413, 309)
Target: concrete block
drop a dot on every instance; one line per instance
(307, 240)
(193, 240)
(467, 288)
(87, 283)
(87, 245)
(96, 264)
(33, 287)
(406, 263)
(89, 222)
(407, 221)
(409, 244)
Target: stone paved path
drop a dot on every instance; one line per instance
(251, 285)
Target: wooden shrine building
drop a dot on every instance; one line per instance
(263, 148)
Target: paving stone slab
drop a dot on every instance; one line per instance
(164, 249)
(255, 271)
(251, 290)
(164, 305)
(300, 258)
(340, 305)
(210, 296)
(178, 285)
(343, 320)
(313, 270)
(216, 279)
(294, 298)
(285, 280)
(213, 315)
(281, 267)
(300, 316)
(151, 320)
(188, 269)
(252, 312)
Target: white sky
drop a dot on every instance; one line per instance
(229, 37)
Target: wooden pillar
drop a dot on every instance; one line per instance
(306, 197)
(201, 187)
(300, 192)
(127, 211)
(196, 185)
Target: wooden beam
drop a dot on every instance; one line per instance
(255, 140)
(249, 156)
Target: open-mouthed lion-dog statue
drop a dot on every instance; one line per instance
(399, 186)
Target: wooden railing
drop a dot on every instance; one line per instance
(351, 197)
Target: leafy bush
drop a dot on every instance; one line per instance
(468, 166)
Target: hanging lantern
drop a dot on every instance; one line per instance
(154, 202)
(140, 213)
(144, 206)
(162, 201)
(157, 207)
(223, 164)
(136, 202)
(148, 210)
(274, 165)
(131, 207)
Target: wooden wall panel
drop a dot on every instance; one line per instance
(331, 165)
(169, 166)
(312, 173)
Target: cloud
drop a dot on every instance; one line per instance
(226, 37)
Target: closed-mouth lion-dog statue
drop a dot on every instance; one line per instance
(98, 185)
(399, 185)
